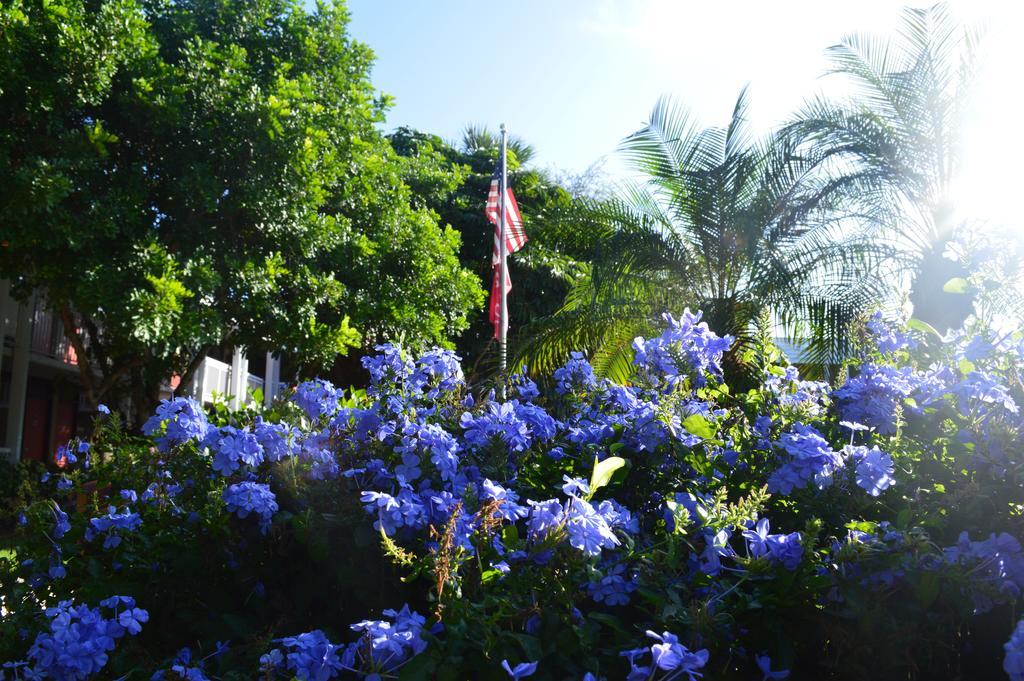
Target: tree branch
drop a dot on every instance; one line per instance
(85, 367)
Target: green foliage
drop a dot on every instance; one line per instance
(717, 221)
(453, 180)
(184, 175)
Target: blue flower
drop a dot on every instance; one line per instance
(520, 671)
(588, 530)
(277, 440)
(385, 646)
(317, 398)
(233, 448)
(80, 639)
(103, 409)
(874, 468)
(613, 588)
(576, 376)
(1013, 663)
(388, 370)
(111, 524)
(499, 421)
(524, 388)
(61, 525)
(793, 393)
(886, 337)
(764, 663)
(437, 372)
(544, 517)
(687, 348)
(873, 396)
(995, 567)
(312, 657)
(982, 389)
(668, 655)
(252, 497)
(784, 549)
(509, 509)
(183, 420)
(810, 459)
(132, 619)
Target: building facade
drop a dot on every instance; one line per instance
(41, 404)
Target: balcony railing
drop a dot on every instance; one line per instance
(48, 337)
(253, 383)
(214, 376)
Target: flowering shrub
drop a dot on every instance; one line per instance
(670, 528)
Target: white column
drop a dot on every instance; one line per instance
(271, 377)
(239, 379)
(19, 379)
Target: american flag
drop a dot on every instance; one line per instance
(515, 238)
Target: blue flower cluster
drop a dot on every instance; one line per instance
(576, 376)
(874, 395)
(810, 459)
(995, 566)
(382, 649)
(874, 469)
(317, 398)
(244, 498)
(784, 549)
(1013, 663)
(613, 587)
(806, 398)
(617, 490)
(687, 348)
(182, 419)
(80, 639)
(111, 524)
(887, 337)
(668, 656)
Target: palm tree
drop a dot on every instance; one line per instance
(893, 148)
(715, 221)
(478, 139)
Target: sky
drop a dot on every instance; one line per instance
(573, 77)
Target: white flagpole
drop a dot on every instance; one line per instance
(503, 256)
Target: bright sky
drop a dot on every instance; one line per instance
(573, 77)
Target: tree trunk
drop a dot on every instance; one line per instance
(90, 380)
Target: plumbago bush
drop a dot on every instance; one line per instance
(667, 529)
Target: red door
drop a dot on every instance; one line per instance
(37, 428)
(67, 411)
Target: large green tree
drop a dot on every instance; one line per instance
(718, 221)
(183, 174)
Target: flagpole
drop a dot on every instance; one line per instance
(503, 257)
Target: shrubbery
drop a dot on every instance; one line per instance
(667, 529)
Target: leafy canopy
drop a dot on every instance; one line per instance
(184, 175)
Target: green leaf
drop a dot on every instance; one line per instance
(923, 326)
(490, 576)
(697, 425)
(603, 471)
(956, 285)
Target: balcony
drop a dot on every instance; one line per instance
(214, 377)
(48, 337)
